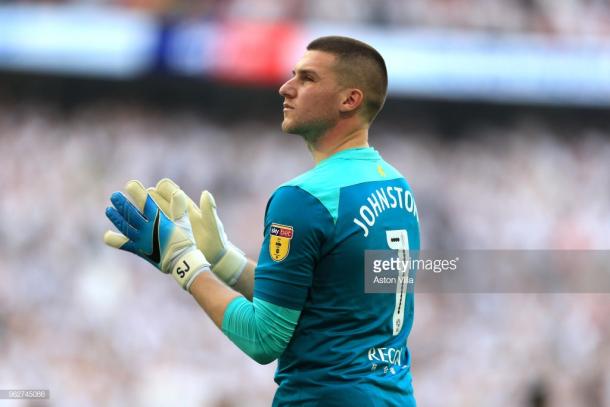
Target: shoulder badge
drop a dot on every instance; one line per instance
(279, 242)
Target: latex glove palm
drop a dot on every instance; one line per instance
(227, 260)
(156, 227)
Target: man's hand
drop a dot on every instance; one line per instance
(156, 227)
(228, 262)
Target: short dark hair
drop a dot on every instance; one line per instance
(359, 65)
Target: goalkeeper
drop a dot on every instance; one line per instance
(304, 302)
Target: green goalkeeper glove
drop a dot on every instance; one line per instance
(157, 229)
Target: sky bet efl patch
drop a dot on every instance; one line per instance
(279, 242)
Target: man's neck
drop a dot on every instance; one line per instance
(337, 140)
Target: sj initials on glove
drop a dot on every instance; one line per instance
(156, 227)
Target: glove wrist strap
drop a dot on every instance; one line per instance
(188, 267)
(230, 266)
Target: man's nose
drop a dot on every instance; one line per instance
(287, 90)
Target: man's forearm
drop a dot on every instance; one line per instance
(245, 283)
(213, 296)
(261, 329)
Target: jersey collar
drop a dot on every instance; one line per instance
(358, 153)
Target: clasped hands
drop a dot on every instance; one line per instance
(164, 226)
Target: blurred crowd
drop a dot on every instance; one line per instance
(588, 18)
(551, 17)
(563, 17)
(100, 327)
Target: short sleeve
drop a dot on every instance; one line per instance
(296, 227)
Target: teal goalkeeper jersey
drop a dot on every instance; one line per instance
(348, 349)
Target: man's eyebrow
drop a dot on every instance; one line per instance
(301, 71)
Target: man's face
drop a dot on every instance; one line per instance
(311, 96)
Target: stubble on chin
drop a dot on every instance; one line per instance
(290, 127)
(311, 133)
(286, 127)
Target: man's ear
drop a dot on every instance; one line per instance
(352, 100)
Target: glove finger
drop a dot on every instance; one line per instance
(207, 200)
(121, 224)
(166, 188)
(119, 241)
(138, 193)
(196, 224)
(212, 235)
(114, 239)
(175, 198)
(207, 206)
(127, 210)
(178, 204)
(210, 217)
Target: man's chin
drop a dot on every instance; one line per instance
(311, 133)
(289, 128)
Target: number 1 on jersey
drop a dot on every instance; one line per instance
(399, 240)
